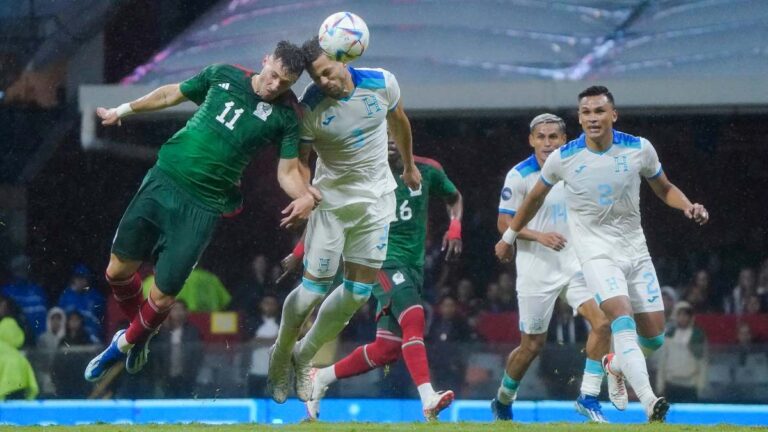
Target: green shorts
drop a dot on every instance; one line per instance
(397, 289)
(168, 226)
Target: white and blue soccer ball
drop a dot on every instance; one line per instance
(343, 36)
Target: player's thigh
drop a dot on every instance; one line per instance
(324, 242)
(189, 228)
(536, 304)
(139, 229)
(404, 289)
(644, 289)
(605, 278)
(366, 239)
(578, 293)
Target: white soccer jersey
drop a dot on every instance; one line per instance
(538, 266)
(603, 194)
(350, 138)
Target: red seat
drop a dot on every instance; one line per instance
(758, 324)
(719, 328)
(499, 327)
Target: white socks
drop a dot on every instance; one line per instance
(297, 306)
(333, 316)
(593, 378)
(630, 358)
(425, 393)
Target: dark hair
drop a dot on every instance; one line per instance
(291, 56)
(311, 50)
(597, 91)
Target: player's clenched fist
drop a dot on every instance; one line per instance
(504, 251)
(698, 213)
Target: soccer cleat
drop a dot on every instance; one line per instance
(657, 411)
(100, 364)
(439, 402)
(318, 392)
(303, 375)
(617, 388)
(501, 411)
(278, 376)
(589, 407)
(138, 356)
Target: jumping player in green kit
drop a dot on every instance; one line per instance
(400, 315)
(194, 182)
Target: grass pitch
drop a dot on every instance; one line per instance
(391, 427)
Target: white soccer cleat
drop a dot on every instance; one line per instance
(278, 376)
(440, 401)
(303, 374)
(657, 411)
(318, 392)
(617, 388)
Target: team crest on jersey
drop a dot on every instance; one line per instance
(398, 278)
(263, 110)
(225, 86)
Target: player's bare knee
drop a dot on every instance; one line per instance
(120, 269)
(533, 344)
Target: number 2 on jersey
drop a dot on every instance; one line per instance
(222, 118)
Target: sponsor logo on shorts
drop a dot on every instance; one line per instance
(652, 299)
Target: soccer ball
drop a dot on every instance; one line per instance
(343, 36)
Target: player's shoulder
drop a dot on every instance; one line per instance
(371, 78)
(426, 164)
(629, 141)
(526, 167)
(312, 96)
(572, 147)
(229, 71)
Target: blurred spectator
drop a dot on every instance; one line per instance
(88, 302)
(47, 345)
(494, 303)
(28, 296)
(446, 337)
(683, 360)
(565, 327)
(754, 305)
(202, 291)
(179, 353)
(264, 336)
(735, 302)
(76, 333)
(699, 293)
(247, 293)
(17, 379)
(76, 349)
(669, 297)
(507, 287)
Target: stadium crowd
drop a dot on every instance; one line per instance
(714, 335)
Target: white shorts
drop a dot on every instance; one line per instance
(359, 232)
(634, 278)
(537, 303)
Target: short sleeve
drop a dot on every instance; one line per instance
(551, 172)
(513, 193)
(196, 88)
(392, 90)
(441, 185)
(289, 145)
(650, 167)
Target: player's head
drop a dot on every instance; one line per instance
(547, 134)
(279, 71)
(597, 112)
(330, 75)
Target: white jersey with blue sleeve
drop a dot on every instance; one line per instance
(539, 267)
(603, 194)
(349, 136)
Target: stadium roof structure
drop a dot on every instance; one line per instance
(470, 56)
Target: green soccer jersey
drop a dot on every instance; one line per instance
(208, 155)
(409, 232)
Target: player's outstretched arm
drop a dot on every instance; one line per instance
(452, 244)
(162, 97)
(675, 198)
(291, 179)
(400, 127)
(531, 205)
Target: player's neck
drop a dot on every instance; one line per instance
(601, 144)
